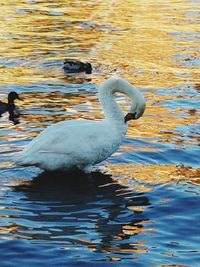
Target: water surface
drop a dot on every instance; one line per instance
(140, 206)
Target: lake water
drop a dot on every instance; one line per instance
(141, 206)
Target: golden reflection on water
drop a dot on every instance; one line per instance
(153, 174)
(148, 41)
(144, 37)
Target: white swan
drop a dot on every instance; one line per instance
(79, 144)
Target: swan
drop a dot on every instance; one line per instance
(73, 66)
(80, 144)
(10, 106)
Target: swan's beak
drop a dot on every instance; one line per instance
(130, 116)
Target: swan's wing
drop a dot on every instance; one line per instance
(71, 143)
(67, 137)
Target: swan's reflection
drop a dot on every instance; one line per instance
(80, 209)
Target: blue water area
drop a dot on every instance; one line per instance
(74, 219)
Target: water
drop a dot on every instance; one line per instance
(140, 207)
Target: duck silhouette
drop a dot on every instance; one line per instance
(10, 106)
(73, 66)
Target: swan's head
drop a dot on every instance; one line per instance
(113, 85)
(136, 111)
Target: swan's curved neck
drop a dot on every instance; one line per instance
(106, 97)
(111, 109)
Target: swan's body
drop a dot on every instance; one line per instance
(83, 143)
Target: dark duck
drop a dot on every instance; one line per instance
(10, 106)
(72, 66)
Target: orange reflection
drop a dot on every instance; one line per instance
(9, 229)
(143, 43)
(153, 174)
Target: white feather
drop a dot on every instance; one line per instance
(83, 143)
